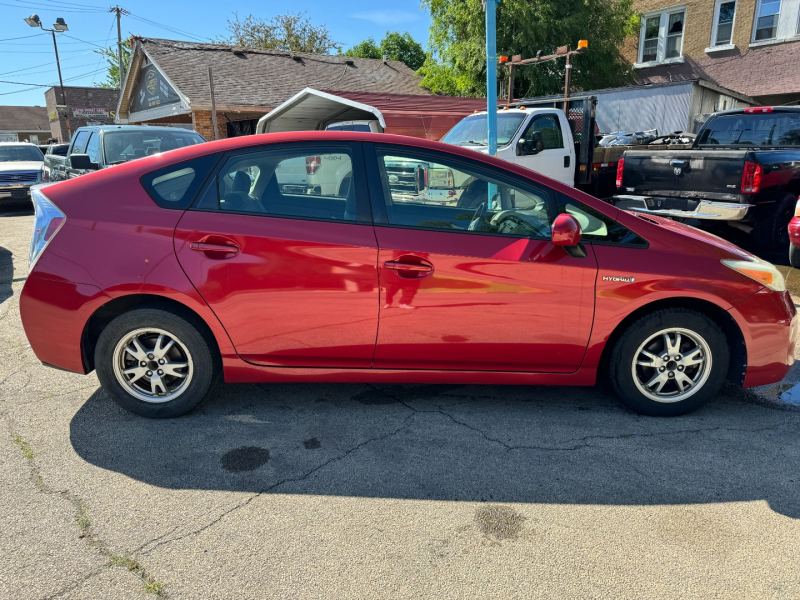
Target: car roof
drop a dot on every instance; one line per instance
(133, 128)
(775, 109)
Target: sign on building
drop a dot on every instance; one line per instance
(90, 113)
(152, 91)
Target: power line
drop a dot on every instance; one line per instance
(39, 7)
(168, 28)
(110, 29)
(23, 37)
(41, 85)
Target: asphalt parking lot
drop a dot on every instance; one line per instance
(359, 491)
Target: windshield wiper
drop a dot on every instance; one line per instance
(473, 142)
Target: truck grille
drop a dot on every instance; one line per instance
(24, 177)
(403, 179)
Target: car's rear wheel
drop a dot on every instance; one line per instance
(669, 362)
(794, 256)
(155, 362)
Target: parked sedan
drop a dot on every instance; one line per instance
(166, 273)
(20, 168)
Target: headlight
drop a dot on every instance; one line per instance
(761, 271)
(45, 226)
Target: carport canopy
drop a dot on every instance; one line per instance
(311, 109)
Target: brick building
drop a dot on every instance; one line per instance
(749, 46)
(168, 83)
(24, 124)
(83, 105)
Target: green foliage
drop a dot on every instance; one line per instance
(291, 31)
(457, 40)
(395, 45)
(112, 58)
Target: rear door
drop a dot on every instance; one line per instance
(291, 276)
(476, 284)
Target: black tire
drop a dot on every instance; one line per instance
(771, 227)
(624, 354)
(191, 334)
(794, 256)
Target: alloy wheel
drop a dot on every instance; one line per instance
(153, 365)
(671, 365)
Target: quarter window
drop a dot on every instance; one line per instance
(767, 17)
(723, 23)
(304, 184)
(427, 194)
(175, 186)
(661, 37)
(595, 226)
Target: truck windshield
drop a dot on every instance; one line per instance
(770, 129)
(122, 146)
(473, 130)
(20, 153)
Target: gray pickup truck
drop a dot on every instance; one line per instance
(743, 169)
(54, 158)
(97, 147)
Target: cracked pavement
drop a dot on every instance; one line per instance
(399, 491)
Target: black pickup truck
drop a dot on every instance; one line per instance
(743, 169)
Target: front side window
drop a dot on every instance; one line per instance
(435, 194)
(79, 145)
(723, 23)
(547, 129)
(767, 16)
(307, 184)
(661, 37)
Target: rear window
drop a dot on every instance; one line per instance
(122, 146)
(176, 186)
(59, 149)
(356, 127)
(752, 130)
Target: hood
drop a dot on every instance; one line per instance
(685, 231)
(16, 166)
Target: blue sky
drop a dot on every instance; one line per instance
(26, 54)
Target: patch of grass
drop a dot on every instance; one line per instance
(83, 518)
(154, 587)
(27, 452)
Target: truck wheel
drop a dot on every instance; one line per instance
(771, 228)
(669, 363)
(794, 256)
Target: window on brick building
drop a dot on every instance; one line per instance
(724, 13)
(768, 14)
(661, 37)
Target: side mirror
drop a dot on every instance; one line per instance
(566, 231)
(530, 147)
(82, 162)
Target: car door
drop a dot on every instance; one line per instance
(476, 284)
(291, 275)
(545, 150)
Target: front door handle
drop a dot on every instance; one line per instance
(419, 270)
(215, 248)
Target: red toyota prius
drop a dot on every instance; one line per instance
(349, 257)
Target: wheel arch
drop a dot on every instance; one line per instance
(736, 342)
(121, 304)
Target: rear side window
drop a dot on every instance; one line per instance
(176, 186)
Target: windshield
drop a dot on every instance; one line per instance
(122, 146)
(473, 131)
(771, 129)
(20, 153)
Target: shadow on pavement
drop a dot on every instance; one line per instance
(458, 443)
(6, 274)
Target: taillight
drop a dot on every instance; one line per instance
(312, 164)
(620, 166)
(757, 109)
(797, 208)
(49, 219)
(751, 178)
(43, 175)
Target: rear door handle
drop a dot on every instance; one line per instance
(214, 248)
(418, 269)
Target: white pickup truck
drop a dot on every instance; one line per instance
(537, 138)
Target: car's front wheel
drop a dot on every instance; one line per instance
(155, 362)
(669, 362)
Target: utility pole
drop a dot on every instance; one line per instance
(490, 7)
(120, 11)
(213, 102)
(61, 85)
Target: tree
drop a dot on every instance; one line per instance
(395, 46)
(112, 58)
(292, 32)
(457, 40)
